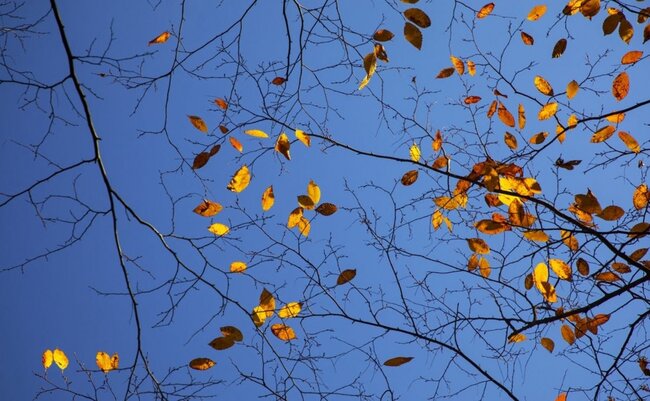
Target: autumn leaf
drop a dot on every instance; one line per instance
(548, 344)
(569, 240)
(418, 17)
(232, 332)
(370, 65)
(107, 363)
(582, 266)
(538, 138)
(559, 48)
(603, 134)
(572, 89)
(313, 191)
(305, 202)
(240, 180)
(491, 227)
(60, 359)
(527, 39)
(446, 72)
(414, 152)
(278, 81)
(567, 334)
(303, 137)
(346, 276)
(510, 141)
(162, 38)
(458, 64)
(611, 213)
(283, 332)
(472, 99)
(198, 123)
(268, 198)
(200, 160)
(543, 86)
(397, 361)
(326, 209)
(289, 310)
(221, 103)
(222, 343)
(641, 197)
(484, 267)
(485, 10)
(47, 358)
(413, 35)
(294, 217)
(589, 8)
(234, 142)
(521, 116)
(631, 57)
(625, 31)
(536, 235)
(208, 208)
(607, 277)
(237, 267)
(547, 111)
(201, 363)
(621, 86)
(537, 12)
(505, 116)
(283, 146)
(478, 245)
(219, 229)
(409, 177)
(560, 268)
(471, 68)
(256, 133)
(517, 338)
(629, 141)
(383, 35)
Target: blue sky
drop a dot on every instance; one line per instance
(75, 299)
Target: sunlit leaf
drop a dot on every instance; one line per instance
(548, 344)
(478, 245)
(485, 10)
(484, 267)
(560, 268)
(505, 116)
(537, 12)
(536, 235)
(611, 213)
(202, 363)
(621, 86)
(543, 86)
(629, 141)
(398, 360)
(567, 334)
(267, 302)
(107, 363)
(240, 180)
(625, 30)
(313, 191)
(256, 133)
(603, 134)
(641, 197)
(208, 208)
(492, 109)
(413, 34)
(237, 267)
(588, 203)
(631, 57)
(572, 89)
(219, 229)
(472, 99)
(47, 358)
(290, 310)
(471, 68)
(458, 64)
(590, 8)
(418, 17)
(559, 48)
(607, 277)
(304, 226)
(370, 65)
(510, 141)
(491, 227)
(283, 146)
(527, 39)
(521, 116)
(221, 103)
(268, 198)
(234, 142)
(232, 332)
(414, 152)
(346, 276)
(517, 338)
(283, 332)
(547, 111)
(303, 137)
(198, 123)
(294, 217)
(162, 38)
(60, 359)
(538, 138)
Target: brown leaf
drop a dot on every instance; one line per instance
(200, 160)
(446, 72)
(583, 267)
(641, 197)
(202, 363)
(505, 116)
(478, 245)
(590, 8)
(221, 343)
(538, 138)
(221, 103)
(607, 277)
(234, 142)
(610, 23)
(472, 99)
(397, 361)
(198, 123)
(559, 48)
(611, 213)
(283, 332)
(418, 17)
(278, 81)
(232, 332)
(625, 31)
(326, 209)
(548, 344)
(383, 35)
(346, 276)
(207, 208)
(567, 334)
(413, 34)
(409, 177)
(527, 39)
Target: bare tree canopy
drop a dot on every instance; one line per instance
(325, 200)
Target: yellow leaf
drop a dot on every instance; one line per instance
(510, 141)
(219, 229)
(641, 197)
(413, 34)
(621, 86)
(543, 86)
(414, 152)
(397, 361)
(436, 219)
(548, 344)
(256, 133)
(485, 10)
(471, 67)
(60, 359)
(540, 275)
(370, 65)
(569, 240)
(505, 116)
(258, 316)
(537, 12)
(478, 245)
(527, 39)
(294, 217)
(560, 268)
(517, 338)
(268, 198)
(603, 134)
(198, 123)
(207, 208)
(47, 358)
(484, 267)
(202, 363)
(572, 89)
(631, 57)
(283, 332)
(536, 235)
(162, 38)
(304, 226)
(236, 144)
(567, 334)
(547, 111)
(303, 137)
(237, 267)
(282, 145)
(232, 332)
(326, 209)
(383, 35)
(521, 116)
(313, 191)
(107, 363)
(616, 118)
(418, 17)
(629, 141)
(559, 48)
(458, 64)
(290, 310)
(240, 180)
(346, 276)
(267, 303)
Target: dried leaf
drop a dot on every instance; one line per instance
(603, 134)
(559, 48)
(611, 213)
(505, 116)
(537, 12)
(413, 34)
(621, 86)
(631, 57)
(346, 276)
(472, 99)
(240, 180)
(370, 65)
(283, 146)
(278, 81)
(583, 267)
(536, 235)
(517, 338)
(409, 177)
(510, 141)
(560, 268)
(629, 141)
(397, 361)
(232, 332)
(625, 31)
(207, 208)
(201, 363)
(478, 245)
(641, 197)
(527, 39)
(485, 10)
(548, 344)
(446, 72)
(383, 35)
(198, 123)
(538, 138)
(221, 103)
(326, 209)
(283, 332)
(418, 17)
(567, 334)
(458, 64)
(521, 116)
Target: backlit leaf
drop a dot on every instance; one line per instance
(47, 358)
(567, 334)
(240, 180)
(537, 12)
(256, 133)
(267, 302)
(60, 359)
(521, 116)
(397, 361)
(162, 38)
(268, 198)
(625, 31)
(589, 8)
(446, 72)
(621, 86)
(510, 141)
(458, 64)
(505, 116)
(370, 65)
(536, 235)
(472, 99)
(313, 191)
(603, 134)
(107, 363)
(471, 68)
(639, 230)
(543, 86)
(278, 81)
(478, 245)
(641, 197)
(294, 217)
(547, 111)
(202, 363)
(198, 123)
(414, 152)
(559, 48)
(527, 39)
(629, 141)
(219, 229)
(346, 276)
(283, 332)
(306, 202)
(383, 35)
(237, 267)
(560, 268)
(304, 226)
(607, 277)
(484, 267)
(207, 208)
(221, 103)
(232, 332)
(290, 310)
(283, 146)
(303, 137)
(491, 227)
(413, 35)
(234, 142)
(485, 10)
(548, 344)
(572, 89)
(538, 138)
(418, 17)
(611, 213)
(517, 338)
(631, 57)
(409, 177)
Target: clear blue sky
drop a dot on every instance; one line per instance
(75, 299)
